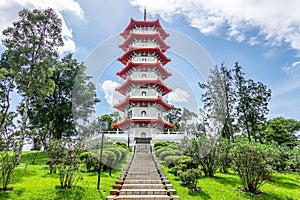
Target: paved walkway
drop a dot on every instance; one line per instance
(142, 178)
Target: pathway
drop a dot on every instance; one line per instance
(142, 178)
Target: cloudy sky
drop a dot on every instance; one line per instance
(263, 36)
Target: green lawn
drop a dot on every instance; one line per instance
(37, 183)
(225, 186)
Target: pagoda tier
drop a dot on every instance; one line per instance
(144, 55)
(144, 27)
(130, 66)
(153, 102)
(127, 123)
(141, 40)
(131, 84)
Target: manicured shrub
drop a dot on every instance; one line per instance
(158, 152)
(183, 163)
(170, 161)
(190, 177)
(121, 145)
(164, 154)
(117, 152)
(252, 162)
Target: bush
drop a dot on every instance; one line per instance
(118, 154)
(164, 154)
(225, 157)
(252, 163)
(170, 161)
(68, 168)
(121, 145)
(158, 152)
(181, 164)
(296, 159)
(7, 173)
(190, 177)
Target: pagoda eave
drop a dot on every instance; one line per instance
(131, 65)
(156, 82)
(134, 23)
(126, 55)
(121, 106)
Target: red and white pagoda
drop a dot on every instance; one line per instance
(143, 72)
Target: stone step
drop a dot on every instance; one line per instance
(144, 186)
(147, 192)
(142, 197)
(145, 181)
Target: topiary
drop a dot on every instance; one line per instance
(170, 161)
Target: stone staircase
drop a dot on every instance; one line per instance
(142, 178)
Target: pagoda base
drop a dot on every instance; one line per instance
(142, 140)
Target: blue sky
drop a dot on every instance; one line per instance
(263, 36)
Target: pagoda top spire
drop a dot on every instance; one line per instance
(145, 14)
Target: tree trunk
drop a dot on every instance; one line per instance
(22, 131)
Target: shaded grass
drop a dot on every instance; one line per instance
(38, 184)
(226, 186)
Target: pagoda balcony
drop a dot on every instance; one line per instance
(144, 30)
(144, 44)
(144, 59)
(141, 77)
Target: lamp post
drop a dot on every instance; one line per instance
(103, 126)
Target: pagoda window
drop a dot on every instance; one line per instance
(144, 75)
(144, 93)
(143, 113)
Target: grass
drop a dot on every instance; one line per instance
(226, 186)
(37, 183)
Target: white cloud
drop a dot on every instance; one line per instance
(275, 21)
(178, 96)
(111, 96)
(293, 66)
(9, 13)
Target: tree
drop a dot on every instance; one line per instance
(219, 99)
(32, 44)
(6, 115)
(282, 131)
(174, 116)
(54, 115)
(252, 98)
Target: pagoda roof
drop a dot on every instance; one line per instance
(162, 44)
(131, 49)
(133, 23)
(156, 65)
(129, 100)
(130, 82)
(127, 121)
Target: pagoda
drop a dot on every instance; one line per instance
(144, 73)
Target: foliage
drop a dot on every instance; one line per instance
(190, 177)
(182, 164)
(219, 98)
(174, 116)
(282, 131)
(252, 162)
(7, 167)
(56, 154)
(32, 44)
(170, 161)
(224, 153)
(164, 154)
(204, 151)
(252, 106)
(295, 158)
(69, 166)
